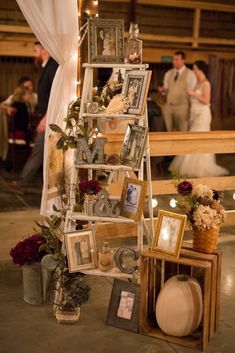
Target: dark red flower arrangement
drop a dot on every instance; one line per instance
(185, 188)
(27, 250)
(91, 187)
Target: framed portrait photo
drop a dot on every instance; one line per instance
(123, 309)
(133, 145)
(135, 87)
(105, 41)
(132, 199)
(169, 232)
(81, 250)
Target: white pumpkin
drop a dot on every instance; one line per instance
(179, 306)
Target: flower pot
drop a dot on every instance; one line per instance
(66, 314)
(205, 240)
(37, 284)
(32, 283)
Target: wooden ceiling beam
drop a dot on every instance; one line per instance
(15, 29)
(16, 48)
(210, 6)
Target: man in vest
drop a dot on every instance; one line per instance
(177, 81)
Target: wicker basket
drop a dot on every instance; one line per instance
(205, 240)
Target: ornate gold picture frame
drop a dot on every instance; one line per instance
(81, 250)
(133, 198)
(169, 232)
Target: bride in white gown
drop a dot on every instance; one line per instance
(199, 165)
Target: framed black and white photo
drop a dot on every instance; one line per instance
(106, 41)
(133, 146)
(81, 250)
(133, 198)
(135, 87)
(169, 232)
(123, 309)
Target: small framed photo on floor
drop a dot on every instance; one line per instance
(133, 198)
(169, 232)
(123, 309)
(133, 145)
(106, 41)
(135, 87)
(81, 250)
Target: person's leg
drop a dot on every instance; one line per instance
(34, 162)
(181, 117)
(168, 117)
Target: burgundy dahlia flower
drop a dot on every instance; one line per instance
(185, 188)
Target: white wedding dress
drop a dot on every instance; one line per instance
(198, 165)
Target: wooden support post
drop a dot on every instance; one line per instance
(86, 9)
(196, 26)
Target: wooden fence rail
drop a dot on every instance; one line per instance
(175, 143)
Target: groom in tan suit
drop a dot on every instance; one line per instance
(176, 83)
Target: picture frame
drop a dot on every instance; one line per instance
(169, 232)
(124, 304)
(106, 41)
(133, 198)
(133, 145)
(81, 250)
(135, 87)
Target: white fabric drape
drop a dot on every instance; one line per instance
(55, 24)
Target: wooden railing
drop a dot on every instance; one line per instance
(175, 143)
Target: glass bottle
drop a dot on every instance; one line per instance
(106, 257)
(133, 52)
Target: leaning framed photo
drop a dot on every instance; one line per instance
(123, 309)
(106, 41)
(132, 199)
(81, 250)
(135, 87)
(133, 145)
(169, 232)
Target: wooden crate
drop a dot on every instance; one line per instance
(216, 262)
(156, 268)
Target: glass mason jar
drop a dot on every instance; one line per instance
(106, 257)
(133, 51)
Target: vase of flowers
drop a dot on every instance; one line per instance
(205, 214)
(26, 254)
(88, 190)
(73, 293)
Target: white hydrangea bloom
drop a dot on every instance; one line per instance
(203, 191)
(206, 218)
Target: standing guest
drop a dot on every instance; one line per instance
(25, 82)
(175, 86)
(199, 165)
(35, 161)
(19, 123)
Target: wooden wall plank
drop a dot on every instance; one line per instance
(108, 231)
(174, 143)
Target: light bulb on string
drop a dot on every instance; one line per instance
(95, 2)
(154, 203)
(173, 203)
(234, 196)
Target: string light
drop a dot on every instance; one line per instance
(154, 203)
(95, 2)
(88, 12)
(234, 196)
(173, 203)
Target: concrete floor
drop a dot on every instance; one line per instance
(26, 328)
